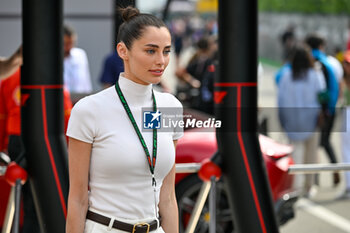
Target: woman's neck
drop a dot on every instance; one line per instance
(129, 75)
(130, 86)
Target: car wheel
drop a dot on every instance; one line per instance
(186, 193)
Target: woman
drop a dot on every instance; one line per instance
(299, 109)
(130, 174)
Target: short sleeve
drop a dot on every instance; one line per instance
(81, 125)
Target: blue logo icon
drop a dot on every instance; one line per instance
(151, 120)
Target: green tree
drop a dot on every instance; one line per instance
(306, 6)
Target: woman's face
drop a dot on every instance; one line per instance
(148, 56)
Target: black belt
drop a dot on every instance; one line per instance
(136, 228)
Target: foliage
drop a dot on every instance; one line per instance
(306, 6)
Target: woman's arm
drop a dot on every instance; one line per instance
(8, 66)
(167, 203)
(79, 164)
(182, 74)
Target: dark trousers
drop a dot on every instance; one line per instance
(325, 136)
(30, 223)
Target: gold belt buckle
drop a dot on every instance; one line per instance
(140, 225)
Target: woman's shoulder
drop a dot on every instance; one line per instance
(94, 101)
(167, 99)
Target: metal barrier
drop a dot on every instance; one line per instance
(316, 168)
(187, 167)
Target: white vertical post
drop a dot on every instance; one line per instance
(202, 197)
(10, 211)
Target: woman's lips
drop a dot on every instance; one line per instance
(156, 72)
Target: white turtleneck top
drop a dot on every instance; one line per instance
(119, 179)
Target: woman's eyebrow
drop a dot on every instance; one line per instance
(152, 45)
(156, 46)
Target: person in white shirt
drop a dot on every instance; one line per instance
(123, 179)
(76, 71)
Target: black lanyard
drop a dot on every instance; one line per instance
(152, 163)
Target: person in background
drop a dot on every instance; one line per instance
(9, 65)
(330, 98)
(76, 73)
(206, 103)
(113, 66)
(10, 137)
(193, 75)
(346, 120)
(288, 41)
(178, 28)
(299, 109)
(337, 67)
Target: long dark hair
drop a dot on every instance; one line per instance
(301, 60)
(134, 24)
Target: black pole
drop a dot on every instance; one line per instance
(236, 105)
(42, 111)
(117, 18)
